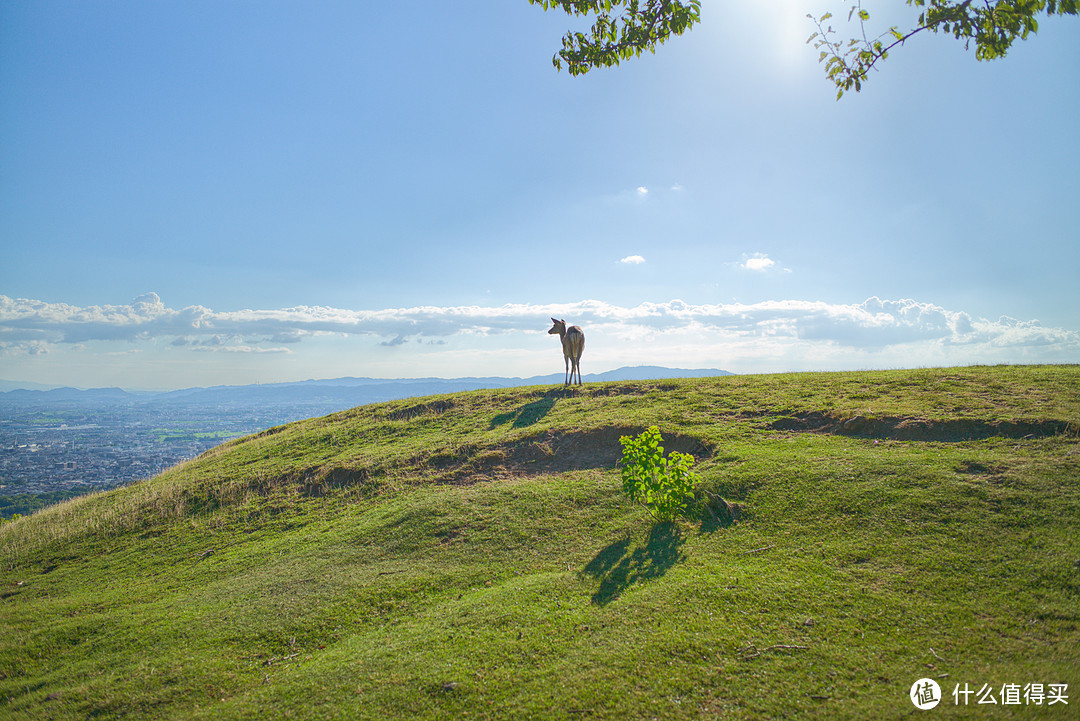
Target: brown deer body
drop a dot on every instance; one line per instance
(573, 342)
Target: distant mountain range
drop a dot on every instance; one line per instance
(336, 392)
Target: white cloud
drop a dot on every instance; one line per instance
(238, 349)
(632, 260)
(758, 262)
(642, 191)
(770, 335)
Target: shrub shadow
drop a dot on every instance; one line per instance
(618, 566)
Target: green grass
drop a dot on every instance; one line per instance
(166, 435)
(25, 503)
(472, 556)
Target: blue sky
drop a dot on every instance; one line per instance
(195, 193)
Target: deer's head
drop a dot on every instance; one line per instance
(559, 327)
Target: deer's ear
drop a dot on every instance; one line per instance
(564, 321)
(554, 321)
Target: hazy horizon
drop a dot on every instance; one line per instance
(8, 384)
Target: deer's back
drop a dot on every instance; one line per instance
(574, 341)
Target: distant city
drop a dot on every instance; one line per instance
(54, 447)
(64, 441)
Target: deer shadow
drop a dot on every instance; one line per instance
(618, 566)
(529, 413)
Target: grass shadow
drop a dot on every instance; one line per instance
(618, 566)
(714, 512)
(529, 413)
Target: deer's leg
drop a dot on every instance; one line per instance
(566, 380)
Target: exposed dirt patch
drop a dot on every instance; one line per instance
(420, 409)
(543, 453)
(979, 471)
(629, 389)
(976, 468)
(916, 429)
(549, 452)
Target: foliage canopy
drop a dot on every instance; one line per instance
(613, 37)
(625, 28)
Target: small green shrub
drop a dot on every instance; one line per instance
(663, 485)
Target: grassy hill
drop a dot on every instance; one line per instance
(471, 555)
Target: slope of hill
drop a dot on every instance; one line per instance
(472, 555)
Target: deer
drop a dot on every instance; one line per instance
(573, 342)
